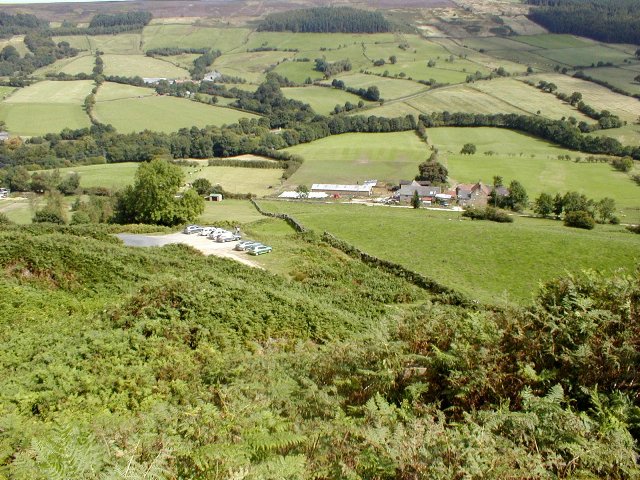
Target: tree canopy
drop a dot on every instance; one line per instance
(154, 198)
(326, 20)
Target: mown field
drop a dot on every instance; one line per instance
(119, 106)
(121, 44)
(488, 261)
(390, 88)
(535, 164)
(46, 107)
(142, 66)
(599, 97)
(621, 77)
(70, 66)
(355, 157)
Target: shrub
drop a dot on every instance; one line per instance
(634, 228)
(487, 213)
(579, 219)
(622, 164)
(48, 216)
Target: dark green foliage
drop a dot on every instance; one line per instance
(202, 186)
(634, 228)
(579, 219)
(468, 149)
(543, 205)
(326, 20)
(415, 200)
(47, 215)
(154, 198)
(613, 21)
(171, 51)
(432, 171)
(487, 213)
(622, 164)
(202, 64)
(125, 19)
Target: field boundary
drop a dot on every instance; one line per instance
(448, 294)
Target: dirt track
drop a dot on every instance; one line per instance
(206, 246)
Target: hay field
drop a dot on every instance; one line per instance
(534, 163)
(70, 66)
(140, 65)
(249, 65)
(127, 112)
(621, 77)
(259, 181)
(121, 44)
(600, 98)
(529, 99)
(321, 99)
(46, 107)
(354, 157)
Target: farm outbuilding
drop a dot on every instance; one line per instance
(357, 190)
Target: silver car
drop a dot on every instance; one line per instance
(245, 244)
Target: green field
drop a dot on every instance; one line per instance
(535, 164)
(488, 261)
(121, 44)
(70, 66)
(298, 71)
(46, 107)
(249, 65)
(622, 77)
(119, 106)
(6, 91)
(390, 88)
(191, 36)
(241, 211)
(315, 41)
(259, 181)
(321, 99)
(550, 40)
(354, 157)
(143, 66)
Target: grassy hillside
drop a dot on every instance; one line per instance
(487, 261)
(142, 66)
(119, 106)
(321, 99)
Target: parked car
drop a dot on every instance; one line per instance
(228, 237)
(259, 250)
(206, 231)
(215, 232)
(189, 229)
(245, 244)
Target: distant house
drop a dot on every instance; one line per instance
(427, 193)
(363, 190)
(4, 136)
(212, 76)
(477, 194)
(153, 80)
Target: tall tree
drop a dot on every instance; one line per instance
(154, 198)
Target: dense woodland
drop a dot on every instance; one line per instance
(614, 21)
(19, 24)
(326, 20)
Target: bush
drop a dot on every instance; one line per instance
(487, 213)
(622, 164)
(4, 220)
(634, 229)
(579, 219)
(48, 216)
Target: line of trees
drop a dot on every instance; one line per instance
(326, 20)
(43, 51)
(371, 93)
(578, 210)
(171, 51)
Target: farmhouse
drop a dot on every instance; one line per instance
(363, 190)
(426, 193)
(212, 76)
(477, 194)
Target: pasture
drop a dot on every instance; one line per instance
(113, 176)
(17, 41)
(321, 99)
(535, 164)
(355, 157)
(600, 98)
(143, 66)
(240, 211)
(390, 88)
(6, 91)
(121, 44)
(249, 65)
(298, 71)
(491, 262)
(46, 107)
(159, 113)
(241, 180)
(621, 77)
(305, 42)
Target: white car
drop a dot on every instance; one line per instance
(217, 232)
(206, 231)
(189, 229)
(228, 237)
